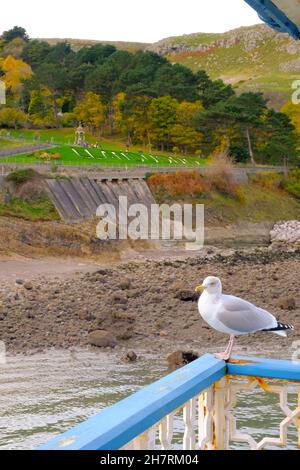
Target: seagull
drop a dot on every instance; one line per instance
(234, 316)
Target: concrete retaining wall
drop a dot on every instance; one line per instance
(78, 198)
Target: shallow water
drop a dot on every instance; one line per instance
(46, 394)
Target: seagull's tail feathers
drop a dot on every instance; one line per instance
(280, 333)
(281, 329)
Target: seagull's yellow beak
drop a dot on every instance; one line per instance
(199, 288)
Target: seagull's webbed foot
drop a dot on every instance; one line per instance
(224, 356)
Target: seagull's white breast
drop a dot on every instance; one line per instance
(208, 306)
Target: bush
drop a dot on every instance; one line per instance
(239, 153)
(178, 184)
(268, 180)
(292, 184)
(46, 156)
(220, 175)
(21, 176)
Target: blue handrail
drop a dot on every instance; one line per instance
(117, 425)
(274, 17)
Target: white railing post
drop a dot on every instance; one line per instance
(219, 414)
(189, 416)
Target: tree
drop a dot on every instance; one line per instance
(35, 52)
(15, 72)
(15, 32)
(12, 118)
(40, 107)
(102, 81)
(281, 140)
(212, 92)
(90, 111)
(184, 134)
(95, 55)
(186, 138)
(162, 117)
(135, 119)
(215, 123)
(241, 116)
(55, 78)
(114, 113)
(293, 112)
(187, 112)
(176, 81)
(14, 48)
(248, 110)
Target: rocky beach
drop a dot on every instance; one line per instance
(147, 305)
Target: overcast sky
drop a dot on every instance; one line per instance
(124, 20)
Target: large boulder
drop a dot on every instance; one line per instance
(186, 295)
(102, 339)
(287, 303)
(181, 358)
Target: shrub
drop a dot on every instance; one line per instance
(268, 180)
(239, 153)
(292, 184)
(46, 156)
(220, 175)
(178, 184)
(21, 176)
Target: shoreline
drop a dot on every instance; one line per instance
(45, 312)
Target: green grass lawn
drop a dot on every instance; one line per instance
(78, 156)
(111, 154)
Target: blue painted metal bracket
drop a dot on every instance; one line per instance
(116, 426)
(274, 17)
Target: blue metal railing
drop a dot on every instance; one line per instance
(274, 17)
(119, 424)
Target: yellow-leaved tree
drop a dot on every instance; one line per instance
(15, 71)
(293, 112)
(90, 111)
(184, 135)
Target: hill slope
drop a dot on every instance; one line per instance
(77, 44)
(253, 58)
(250, 58)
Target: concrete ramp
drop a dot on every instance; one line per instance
(78, 198)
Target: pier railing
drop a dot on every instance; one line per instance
(193, 408)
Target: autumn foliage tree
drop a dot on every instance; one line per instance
(90, 111)
(142, 98)
(15, 72)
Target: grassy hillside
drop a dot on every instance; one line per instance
(225, 201)
(252, 58)
(77, 44)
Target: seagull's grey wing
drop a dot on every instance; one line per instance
(242, 316)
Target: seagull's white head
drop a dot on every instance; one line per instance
(211, 284)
